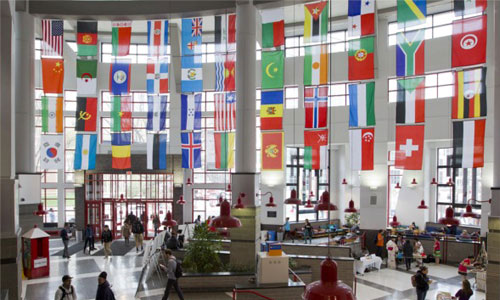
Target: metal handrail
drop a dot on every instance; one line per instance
(235, 291)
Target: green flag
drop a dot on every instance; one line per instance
(272, 69)
(86, 77)
(121, 114)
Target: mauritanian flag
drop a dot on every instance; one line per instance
(272, 69)
(316, 65)
(224, 150)
(273, 28)
(468, 143)
(362, 104)
(86, 77)
(120, 150)
(52, 114)
(86, 38)
(361, 59)
(362, 143)
(120, 38)
(316, 22)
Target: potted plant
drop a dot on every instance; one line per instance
(201, 251)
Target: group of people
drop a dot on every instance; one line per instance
(66, 291)
(422, 282)
(133, 224)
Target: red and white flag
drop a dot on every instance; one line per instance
(468, 42)
(468, 143)
(231, 32)
(225, 111)
(362, 143)
(52, 37)
(409, 147)
(316, 106)
(316, 149)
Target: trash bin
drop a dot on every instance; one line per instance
(78, 236)
(272, 235)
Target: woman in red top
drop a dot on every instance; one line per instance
(462, 267)
(437, 250)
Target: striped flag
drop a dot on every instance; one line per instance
(469, 100)
(362, 104)
(316, 22)
(191, 112)
(157, 76)
(120, 150)
(86, 77)
(52, 37)
(85, 151)
(466, 7)
(271, 110)
(157, 38)
(86, 38)
(157, 151)
(52, 114)
(273, 27)
(316, 106)
(468, 143)
(361, 18)
(225, 111)
(121, 113)
(157, 112)
(316, 149)
(316, 65)
(361, 144)
(225, 72)
(120, 38)
(224, 150)
(191, 74)
(410, 105)
(410, 53)
(86, 114)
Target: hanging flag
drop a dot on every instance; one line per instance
(362, 104)
(361, 144)
(52, 75)
(224, 150)
(271, 110)
(272, 69)
(52, 152)
(316, 149)
(468, 143)
(191, 74)
(361, 59)
(273, 27)
(156, 151)
(121, 113)
(210, 150)
(410, 105)
(225, 111)
(119, 78)
(410, 53)
(316, 106)
(191, 112)
(191, 36)
(85, 151)
(157, 76)
(231, 32)
(225, 72)
(86, 77)
(316, 22)
(157, 38)
(86, 38)
(409, 146)
(469, 99)
(467, 7)
(157, 112)
(361, 18)
(120, 150)
(220, 35)
(52, 37)
(272, 150)
(86, 114)
(316, 65)
(411, 12)
(120, 37)
(52, 114)
(191, 149)
(468, 42)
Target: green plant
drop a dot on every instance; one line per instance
(292, 263)
(237, 268)
(201, 255)
(352, 219)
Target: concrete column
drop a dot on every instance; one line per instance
(24, 87)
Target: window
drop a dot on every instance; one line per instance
(49, 199)
(337, 42)
(467, 186)
(338, 94)
(138, 53)
(38, 47)
(205, 202)
(309, 184)
(437, 85)
(291, 97)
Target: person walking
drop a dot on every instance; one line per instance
(437, 250)
(422, 282)
(156, 223)
(126, 233)
(465, 292)
(287, 233)
(107, 239)
(408, 254)
(89, 237)
(392, 251)
(379, 243)
(66, 291)
(171, 270)
(104, 291)
(65, 239)
(308, 232)
(138, 230)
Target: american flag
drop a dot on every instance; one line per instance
(225, 111)
(196, 28)
(53, 33)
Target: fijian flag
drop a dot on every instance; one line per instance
(157, 112)
(157, 151)
(410, 105)
(468, 143)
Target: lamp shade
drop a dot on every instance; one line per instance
(309, 204)
(344, 181)
(239, 204)
(422, 205)
(469, 214)
(449, 218)
(398, 186)
(219, 202)
(228, 189)
(395, 222)
(271, 202)
(181, 200)
(414, 181)
(351, 208)
(40, 212)
(169, 222)
(450, 182)
(122, 198)
(328, 287)
(324, 203)
(188, 181)
(434, 182)
(293, 198)
(225, 220)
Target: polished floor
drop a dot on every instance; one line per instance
(124, 273)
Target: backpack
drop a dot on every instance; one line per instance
(178, 269)
(64, 294)
(414, 280)
(136, 228)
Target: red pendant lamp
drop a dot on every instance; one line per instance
(328, 287)
(397, 186)
(225, 220)
(395, 223)
(239, 204)
(414, 181)
(422, 205)
(271, 201)
(293, 198)
(309, 204)
(434, 182)
(228, 189)
(220, 201)
(344, 181)
(324, 203)
(40, 212)
(122, 198)
(188, 181)
(450, 182)
(449, 219)
(351, 208)
(469, 214)
(169, 221)
(181, 200)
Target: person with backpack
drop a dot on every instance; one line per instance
(421, 282)
(66, 291)
(174, 272)
(126, 232)
(107, 239)
(138, 230)
(408, 254)
(89, 237)
(65, 239)
(104, 291)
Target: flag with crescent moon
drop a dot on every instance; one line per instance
(272, 69)
(86, 77)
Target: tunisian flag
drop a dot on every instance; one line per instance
(469, 42)
(409, 147)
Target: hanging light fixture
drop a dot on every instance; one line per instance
(414, 181)
(397, 186)
(169, 221)
(434, 182)
(271, 200)
(450, 182)
(311, 194)
(220, 200)
(293, 198)
(40, 212)
(351, 208)
(324, 203)
(239, 204)
(344, 181)
(449, 219)
(228, 189)
(394, 223)
(422, 205)
(225, 220)
(309, 204)
(188, 182)
(181, 200)
(469, 214)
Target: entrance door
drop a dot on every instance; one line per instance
(121, 215)
(109, 216)
(93, 216)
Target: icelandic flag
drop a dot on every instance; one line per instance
(191, 74)
(157, 77)
(157, 112)
(157, 151)
(191, 150)
(119, 78)
(85, 151)
(191, 112)
(157, 37)
(191, 36)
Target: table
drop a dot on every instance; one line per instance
(365, 262)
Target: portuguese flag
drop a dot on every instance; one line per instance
(120, 38)
(86, 38)
(361, 59)
(121, 114)
(273, 28)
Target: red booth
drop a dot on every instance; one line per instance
(36, 256)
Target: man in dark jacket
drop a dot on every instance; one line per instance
(107, 239)
(138, 230)
(408, 254)
(422, 282)
(173, 242)
(89, 237)
(104, 291)
(65, 240)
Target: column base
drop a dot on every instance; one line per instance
(11, 263)
(245, 240)
(493, 267)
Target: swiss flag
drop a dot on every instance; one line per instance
(469, 42)
(409, 147)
